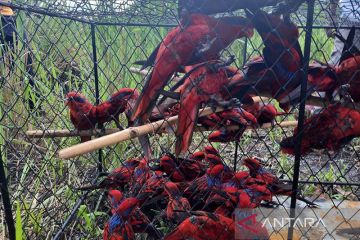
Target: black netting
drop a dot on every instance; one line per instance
(303, 132)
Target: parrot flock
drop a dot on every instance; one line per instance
(196, 192)
(196, 196)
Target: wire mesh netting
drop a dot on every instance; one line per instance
(238, 128)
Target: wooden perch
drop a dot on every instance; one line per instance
(130, 133)
(135, 132)
(69, 133)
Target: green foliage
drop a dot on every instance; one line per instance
(18, 225)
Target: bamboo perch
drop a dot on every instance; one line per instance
(98, 132)
(69, 133)
(135, 132)
(86, 133)
(130, 133)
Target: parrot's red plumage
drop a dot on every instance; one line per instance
(177, 205)
(256, 170)
(349, 73)
(198, 38)
(264, 113)
(115, 198)
(118, 227)
(332, 128)
(115, 105)
(82, 112)
(119, 177)
(277, 73)
(202, 84)
(204, 226)
(199, 189)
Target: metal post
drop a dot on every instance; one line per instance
(97, 92)
(237, 142)
(309, 23)
(6, 201)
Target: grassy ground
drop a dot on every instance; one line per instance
(41, 185)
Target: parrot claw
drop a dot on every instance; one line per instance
(343, 92)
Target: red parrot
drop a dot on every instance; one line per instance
(238, 181)
(214, 160)
(115, 105)
(139, 222)
(119, 177)
(261, 176)
(82, 112)
(201, 187)
(321, 78)
(202, 84)
(198, 156)
(180, 169)
(264, 113)
(115, 198)
(277, 73)
(141, 175)
(118, 227)
(177, 205)
(169, 165)
(210, 121)
(237, 117)
(198, 38)
(256, 170)
(203, 226)
(211, 150)
(331, 129)
(349, 73)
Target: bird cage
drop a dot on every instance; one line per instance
(269, 142)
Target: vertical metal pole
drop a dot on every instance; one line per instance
(237, 142)
(309, 24)
(96, 75)
(6, 200)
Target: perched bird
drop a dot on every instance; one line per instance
(203, 226)
(331, 129)
(202, 85)
(115, 199)
(198, 38)
(263, 177)
(321, 78)
(256, 170)
(199, 189)
(349, 73)
(82, 113)
(277, 73)
(264, 113)
(176, 210)
(118, 227)
(141, 174)
(118, 103)
(234, 117)
(119, 177)
(181, 169)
